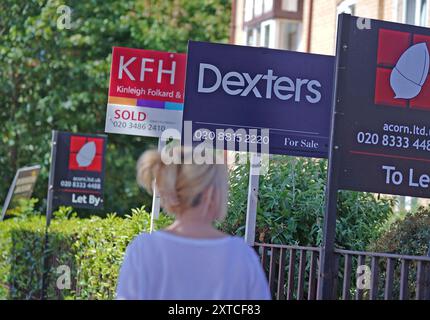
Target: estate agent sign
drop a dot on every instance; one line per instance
(382, 127)
(146, 92)
(77, 170)
(22, 186)
(233, 91)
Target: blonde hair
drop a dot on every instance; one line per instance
(181, 186)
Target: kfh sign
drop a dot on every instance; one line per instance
(232, 92)
(146, 92)
(77, 170)
(22, 186)
(382, 124)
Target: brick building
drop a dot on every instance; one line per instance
(310, 25)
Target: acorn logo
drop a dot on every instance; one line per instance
(410, 72)
(86, 154)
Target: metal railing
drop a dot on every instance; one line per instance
(292, 272)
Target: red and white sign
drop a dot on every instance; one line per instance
(146, 92)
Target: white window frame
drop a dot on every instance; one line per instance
(417, 17)
(285, 6)
(267, 8)
(272, 33)
(279, 26)
(247, 31)
(248, 13)
(258, 8)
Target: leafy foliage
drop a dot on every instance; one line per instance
(291, 206)
(92, 248)
(409, 236)
(54, 78)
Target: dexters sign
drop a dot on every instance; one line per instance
(77, 170)
(146, 92)
(382, 127)
(234, 92)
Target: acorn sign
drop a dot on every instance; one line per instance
(410, 72)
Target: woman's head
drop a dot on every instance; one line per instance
(182, 186)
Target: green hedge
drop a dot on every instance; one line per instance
(92, 248)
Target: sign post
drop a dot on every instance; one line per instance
(155, 210)
(251, 209)
(51, 178)
(146, 96)
(22, 186)
(380, 138)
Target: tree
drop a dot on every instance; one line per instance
(55, 76)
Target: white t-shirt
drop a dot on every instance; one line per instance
(162, 265)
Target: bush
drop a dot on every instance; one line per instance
(409, 236)
(291, 206)
(92, 249)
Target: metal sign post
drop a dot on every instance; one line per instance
(251, 211)
(50, 195)
(327, 262)
(155, 211)
(8, 197)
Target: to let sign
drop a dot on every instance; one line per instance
(235, 92)
(77, 171)
(382, 121)
(146, 92)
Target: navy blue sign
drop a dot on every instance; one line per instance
(233, 92)
(382, 123)
(77, 171)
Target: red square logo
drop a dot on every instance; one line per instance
(384, 94)
(86, 154)
(402, 73)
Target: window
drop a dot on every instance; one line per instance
(290, 5)
(289, 35)
(253, 37)
(250, 37)
(423, 13)
(249, 10)
(268, 33)
(257, 36)
(268, 5)
(410, 7)
(266, 36)
(258, 8)
(415, 12)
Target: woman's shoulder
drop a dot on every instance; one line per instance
(240, 245)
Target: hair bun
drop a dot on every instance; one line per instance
(148, 167)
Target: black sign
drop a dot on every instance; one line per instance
(77, 170)
(382, 112)
(22, 186)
